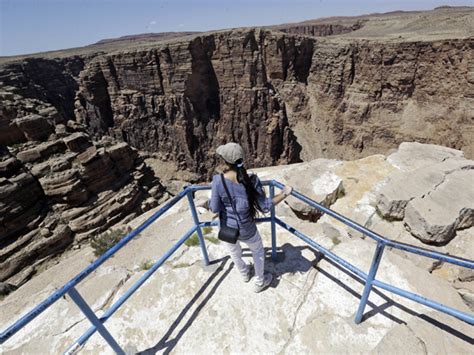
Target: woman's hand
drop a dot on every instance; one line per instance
(287, 190)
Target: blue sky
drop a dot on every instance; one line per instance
(28, 26)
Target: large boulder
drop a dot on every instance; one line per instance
(65, 187)
(315, 179)
(435, 217)
(77, 142)
(412, 155)
(34, 127)
(403, 186)
(432, 192)
(123, 156)
(42, 151)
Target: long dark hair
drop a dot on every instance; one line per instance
(244, 179)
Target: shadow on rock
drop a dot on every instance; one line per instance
(381, 309)
(165, 344)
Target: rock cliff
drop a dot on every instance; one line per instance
(57, 185)
(284, 97)
(69, 126)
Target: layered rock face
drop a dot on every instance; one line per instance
(58, 186)
(366, 97)
(275, 93)
(284, 97)
(185, 99)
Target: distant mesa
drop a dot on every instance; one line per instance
(145, 36)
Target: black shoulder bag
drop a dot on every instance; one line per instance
(228, 234)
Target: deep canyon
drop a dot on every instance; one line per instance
(74, 129)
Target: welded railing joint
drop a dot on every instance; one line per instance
(368, 282)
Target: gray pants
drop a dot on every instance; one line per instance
(256, 247)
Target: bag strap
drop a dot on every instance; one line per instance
(230, 197)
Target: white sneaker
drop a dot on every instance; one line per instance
(267, 280)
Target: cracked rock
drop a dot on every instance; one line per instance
(435, 217)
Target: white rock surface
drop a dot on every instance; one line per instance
(314, 179)
(412, 155)
(185, 308)
(401, 187)
(436, 199)
(435, 217)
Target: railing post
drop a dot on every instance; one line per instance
(273, 226)
(202, 243)
(84, 307)
(368, 283)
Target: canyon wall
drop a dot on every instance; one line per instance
(284, 97)
(184, 99)
(365, 98)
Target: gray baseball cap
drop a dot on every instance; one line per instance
(230, 152)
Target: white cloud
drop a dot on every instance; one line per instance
(152, 23)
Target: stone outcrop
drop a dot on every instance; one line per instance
(57, 186)
(435, 198)
(435, 217)
(315, 179)
(21, 195)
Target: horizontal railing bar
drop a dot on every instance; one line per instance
(132, 289)
(377, 237)
(334, 214)
(28, 317)
(359, 273)
(412, 296)
(456, 260)
(426, 302)
(208, 186)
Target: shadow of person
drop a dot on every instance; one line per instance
(166, 344)
(290, 260)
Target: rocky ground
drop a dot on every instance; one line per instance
(188, 308)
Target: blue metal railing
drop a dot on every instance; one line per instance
(369, 279)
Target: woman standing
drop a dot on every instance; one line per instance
(247, 198)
